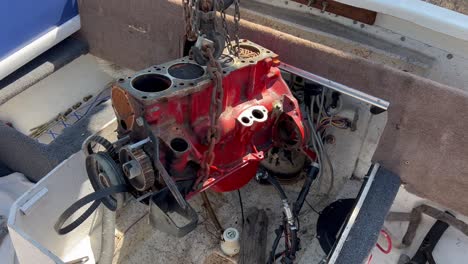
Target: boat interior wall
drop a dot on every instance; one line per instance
(425, 138)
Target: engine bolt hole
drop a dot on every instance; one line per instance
(179, 144)
(245, 120)
(258, 114)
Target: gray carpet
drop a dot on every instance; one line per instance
(366, 229)
(21, 153)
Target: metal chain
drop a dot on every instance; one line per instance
(236, 26)
(188, 18)
(215, 70)
(216, 108)
(233, 50)
(229, 46)
(191, 18)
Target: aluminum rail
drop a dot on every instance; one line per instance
(380, 103)
(354, 215)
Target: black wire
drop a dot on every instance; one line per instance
(315, 211)
(241, 206)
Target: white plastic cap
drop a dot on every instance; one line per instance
(230, 244)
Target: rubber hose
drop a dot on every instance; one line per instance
(108, 225)
(279, 233)
(311, 176)
(293, 243)
(108, 236)
(277, 186)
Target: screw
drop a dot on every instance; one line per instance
(139, 121)
(449, 56)
(402, 38)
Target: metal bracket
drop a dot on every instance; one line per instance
(380, 103)
(161, 220)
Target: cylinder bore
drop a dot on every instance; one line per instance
(151, 83)
(179, 144)
(186, 71)
(247, 51)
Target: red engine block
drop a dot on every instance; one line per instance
(174, 98)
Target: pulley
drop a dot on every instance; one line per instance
(137, 168)
(103, 173)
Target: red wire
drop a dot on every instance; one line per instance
(389, 247)
(389, 242)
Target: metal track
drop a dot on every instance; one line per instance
(380, 103)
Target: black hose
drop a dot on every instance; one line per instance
(291, 253)
(273, 181)
(312, 173)
(279, 233)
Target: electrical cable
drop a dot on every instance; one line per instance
(128, 229)
(314, 145)
(310, 121)
(241, 206)
(385, 251)
(327, 159)
(320, 148)
(311, 207)
(389, 242)
(320, 104)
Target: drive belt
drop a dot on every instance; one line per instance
(95, 198)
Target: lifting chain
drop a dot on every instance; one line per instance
(233, 50)
(192, 16)
(192, 21)
(190, 32)
(216, 108)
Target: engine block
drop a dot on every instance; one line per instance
(172, 101)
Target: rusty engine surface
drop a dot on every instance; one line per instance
(171, 104)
